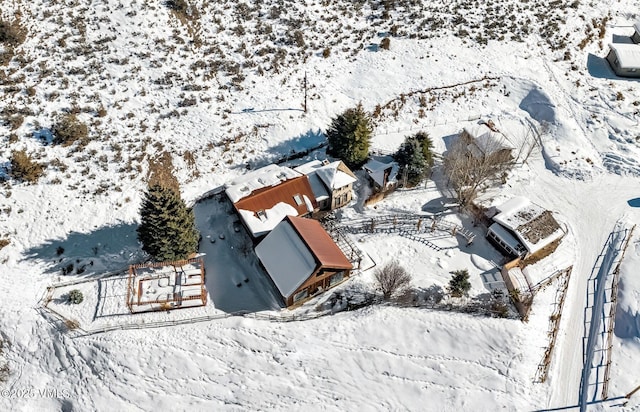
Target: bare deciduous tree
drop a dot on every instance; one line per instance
(472, 163)
(392, 279)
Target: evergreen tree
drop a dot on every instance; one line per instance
(459, 284)
(349, 135)
(415, 157)
(167, 229)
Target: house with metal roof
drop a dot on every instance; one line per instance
(302, 259)
(332, 183)
(267, 195)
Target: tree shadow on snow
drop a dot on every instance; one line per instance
(109, 248)
(298, 146)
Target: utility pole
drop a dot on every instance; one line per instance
(305, 92)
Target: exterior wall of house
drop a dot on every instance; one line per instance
(322, 279)
(341, 196)
(324, 204)
(635, 37)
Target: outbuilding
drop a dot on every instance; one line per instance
(521, 228)
(624, 59)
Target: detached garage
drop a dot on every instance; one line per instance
(624, 59)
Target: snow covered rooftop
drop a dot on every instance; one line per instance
(260, 224)
(628, 55)
(534, 226)
(268, 176)
(320, 191)
(263, 209)
(376, 170)
(486, 141)
(334, 175)
(295, 249)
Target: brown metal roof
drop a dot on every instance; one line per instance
(268, 197)
(320, 243)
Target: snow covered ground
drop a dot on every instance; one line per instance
(222, 91)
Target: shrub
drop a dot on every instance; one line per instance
(179, 6)
(326, 52)
(459, 284)
(385, 43)
(23, 167)
(75, 297)
(68, 129)
(4, 367)
(11, 33)
(498, 306)
(71, 324)
(392, 280)
(4, 242)
(349, 135)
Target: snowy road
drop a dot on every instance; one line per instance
(592, 215)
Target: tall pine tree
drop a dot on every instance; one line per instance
(167, 229)
(415, 157)
(349, 135)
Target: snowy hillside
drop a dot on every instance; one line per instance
(216, 88)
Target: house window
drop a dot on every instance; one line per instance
(261, 215)
(300, 295)
(338, 277)
(298, 199)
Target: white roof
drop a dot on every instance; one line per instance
(376, 169)
(507, 212)
(517, 213)
(486, 141)
(334, 177)
(271, 175)
(309, 167)
(331, 175)
(286, 257)
(264, 224)
(317, 187)
(628, 55)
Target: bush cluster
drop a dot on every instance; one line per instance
(23, 167)
(68, 129)
(75, 297)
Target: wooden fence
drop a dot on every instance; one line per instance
(554, 323)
